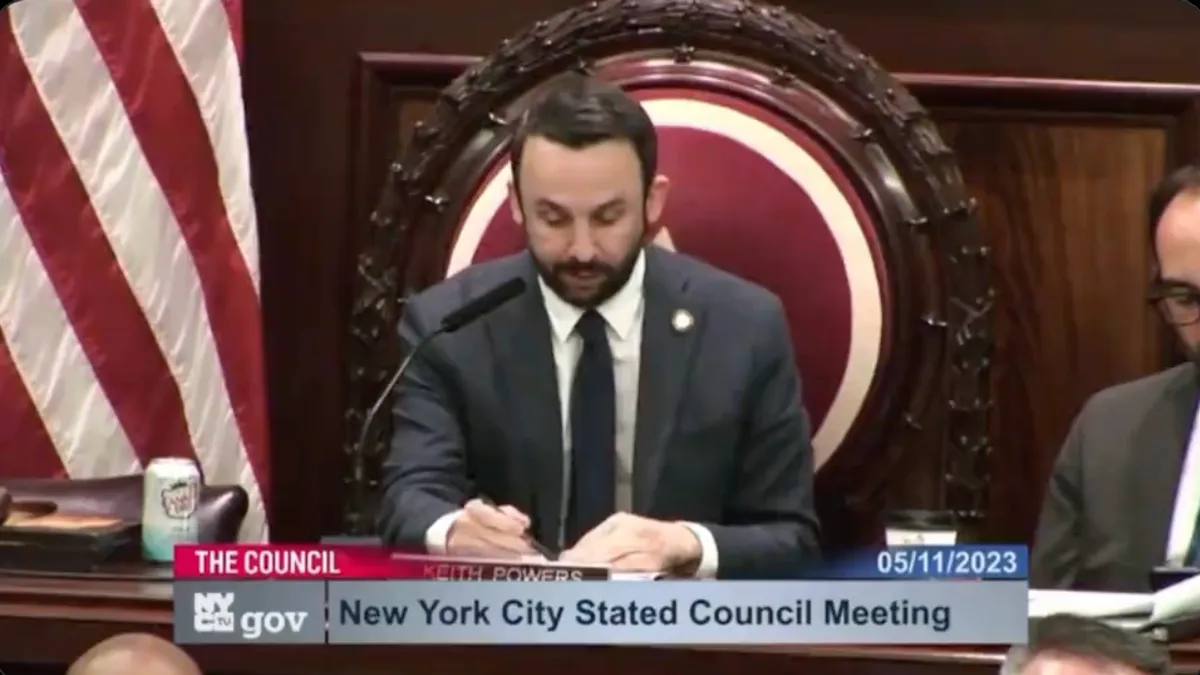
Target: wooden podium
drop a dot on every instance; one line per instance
(45, 623)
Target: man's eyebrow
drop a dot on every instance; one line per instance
(616, 201)
(1172, 286)
(546, 203)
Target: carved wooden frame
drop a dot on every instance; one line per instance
(934, 392)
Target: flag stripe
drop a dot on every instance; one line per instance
(165, 118)
(233, 11)
(192, 28)
(52, 400)
(65, 229)
(28, 451)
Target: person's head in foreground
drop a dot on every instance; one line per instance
(585, 187)
(1065, 644)
(134, 654)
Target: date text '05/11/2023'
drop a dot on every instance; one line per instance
(948, 562)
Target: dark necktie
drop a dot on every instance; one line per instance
(593, 432)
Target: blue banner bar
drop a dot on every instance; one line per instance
(980, 562)
(677, 613)
(601, 613)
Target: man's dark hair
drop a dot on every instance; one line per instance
(579, 111)
(1185, 179)
(1090, 639)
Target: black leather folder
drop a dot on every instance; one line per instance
(36, 538)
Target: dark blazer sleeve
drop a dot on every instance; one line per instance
(769, 525)
(1054, 562)
(425, 474)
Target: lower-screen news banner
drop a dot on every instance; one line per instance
(343, 595)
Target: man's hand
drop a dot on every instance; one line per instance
(631, 543)
(483, 531)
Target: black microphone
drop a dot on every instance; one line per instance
(484, 304)
(471, 311)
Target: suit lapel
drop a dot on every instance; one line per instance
(667, 348)
(1155, 479)
(521, 340)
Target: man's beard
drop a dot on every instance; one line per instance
(613, 277)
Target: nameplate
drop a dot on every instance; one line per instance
(461, 569)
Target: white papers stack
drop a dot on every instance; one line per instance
(1090, 604)
(1179, 601)
(1131, 610)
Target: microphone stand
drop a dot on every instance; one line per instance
(359, 448)
(469, 312)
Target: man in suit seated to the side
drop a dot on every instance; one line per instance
(633, 408)
(1124, 495)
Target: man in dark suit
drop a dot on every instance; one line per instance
(1124, 496)
(634, 407)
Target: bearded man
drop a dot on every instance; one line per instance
(634, 408)
(1124, 496)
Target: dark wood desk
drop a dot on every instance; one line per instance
(46, 623)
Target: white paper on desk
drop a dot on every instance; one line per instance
(635, 576)
(1182, 600)
(1090, 604)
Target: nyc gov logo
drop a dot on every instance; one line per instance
(214, 614)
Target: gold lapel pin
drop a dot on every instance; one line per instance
(682, 321)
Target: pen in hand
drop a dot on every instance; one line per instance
(536, 545)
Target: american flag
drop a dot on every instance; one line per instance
(130, 323)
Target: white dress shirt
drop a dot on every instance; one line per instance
(1187, 502)
(623, 314)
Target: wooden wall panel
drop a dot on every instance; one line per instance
(324, 126)
(1062, 204)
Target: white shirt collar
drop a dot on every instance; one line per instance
(620, 311)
